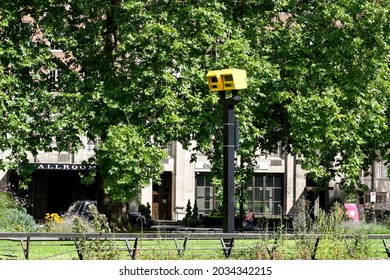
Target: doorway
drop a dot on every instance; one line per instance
(54, 190)
(162, 198)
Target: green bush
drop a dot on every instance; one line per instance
(96, 249)
(191, 218)
(6, 201)
(194, 220)
(146, 211)
(13, 219)
(188, 212)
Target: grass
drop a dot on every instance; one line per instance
(276, 245)
(265, 247)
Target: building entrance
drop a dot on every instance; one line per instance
(53, 191)
(162, 198)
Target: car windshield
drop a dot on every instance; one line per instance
(74, 207)
(89, 207)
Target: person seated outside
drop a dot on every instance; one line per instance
(249, 220)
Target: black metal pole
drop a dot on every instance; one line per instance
(228, 159)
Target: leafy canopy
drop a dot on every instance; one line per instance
(134, 75)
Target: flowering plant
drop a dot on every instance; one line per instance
(53, 218)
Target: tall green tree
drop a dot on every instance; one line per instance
(134, 75)
(333, 58)
(31, 115)
(143, 64)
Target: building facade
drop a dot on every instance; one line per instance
(277, 183)
(55, 181)
(378, 195)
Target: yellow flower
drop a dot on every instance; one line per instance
(54, 218)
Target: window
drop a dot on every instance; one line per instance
(265, 193)
(382, 169)
(90, 145)
(169, 151)
(278, 153)
(55, 79)
(381, 199)
(205, 194)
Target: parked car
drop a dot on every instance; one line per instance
(137, 220)
(81, 208)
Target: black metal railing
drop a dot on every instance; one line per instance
(194, 245)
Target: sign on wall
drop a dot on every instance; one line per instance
(64, 166)
(373, 197)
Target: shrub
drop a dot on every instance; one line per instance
(97, 249)
(54, 218)
(13, 219)
(188, 212)
(53, 221)
(6, 201)
(146, 212)
(191, 218)
(194, 220)
(302, 221)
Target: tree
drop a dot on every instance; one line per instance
(135, 71)
(333, 87)
(31, 116)
(188, 212)
(143, 65)
(119, 158)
